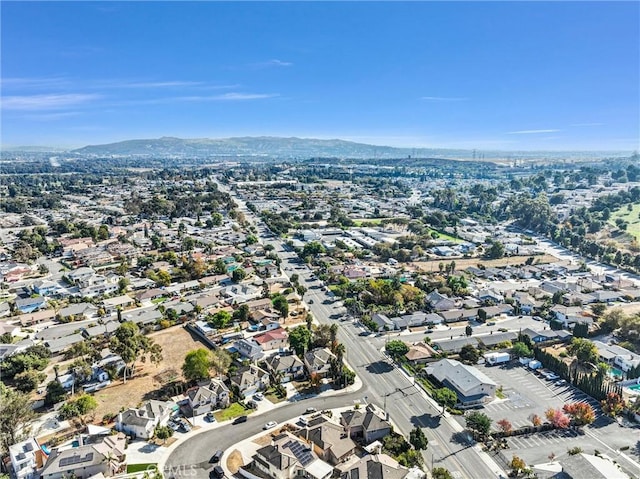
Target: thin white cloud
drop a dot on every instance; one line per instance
(42, 82)
(532, 132)
(52, 116)
(587, 124)
(233, 96)
(274, 63)
(47, 102)
(159, 84)
(443, 98)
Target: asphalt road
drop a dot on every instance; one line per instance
(384, 385)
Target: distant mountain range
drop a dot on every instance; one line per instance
(262, 146)
(298, 148)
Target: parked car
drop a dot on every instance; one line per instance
(216, 456)
(258, 396)
(270, 424)
(310, 410)
(240, 419)
(303, 420)
(217, 472)
(252, 404)
(562, 382)
(210, 417)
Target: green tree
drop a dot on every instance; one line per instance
(163, 433)
(242, 313)
(521, 350)
(446, 397)
(28, 380)
(584, 350)
(396, 349)
(130, 344)
(196, 365)
(281, 305)
(216, 219)
(220, 320)
(496, 250)
(418, 439)
(15, 415)
(55, 393)
(220, 361)
(441, 473)
(300, 339)
(469, 354)
(238, 275)
(163, 278)
(479, 422)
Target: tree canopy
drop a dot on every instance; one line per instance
(196, 365)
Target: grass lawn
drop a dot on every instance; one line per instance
(159, 300)
(231, 412)
(632, 217)
(373, 221)
(132, 468)
(445, 236)
(273, 397)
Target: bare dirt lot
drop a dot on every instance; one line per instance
(464, 263)
(176, 342)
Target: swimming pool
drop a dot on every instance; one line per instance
(615, 373)
(634, 387)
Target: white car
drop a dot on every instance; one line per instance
(270, 424)
(258, 396)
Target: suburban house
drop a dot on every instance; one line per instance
(330, 441)
(29, 305)
(78, 311)
(111, 305)
(289, 457)
(383, 322)
(368, 425)
(289, 367)
(106, 458)
(26, 458)
(275, 339)
(472, 386)
(440, 302)
(378, 466)
(617, 356)
(31, 319)
(318, 361)
(45, 287)
(208, 397)
(240, 293)
(250, 379)
(248, 349)
(420, 353)
(141, 422)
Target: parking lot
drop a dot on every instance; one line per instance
(528, 393)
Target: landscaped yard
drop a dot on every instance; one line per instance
(131, 468)
(231, 412)
(176, 342)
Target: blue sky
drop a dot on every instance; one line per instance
(503, 75)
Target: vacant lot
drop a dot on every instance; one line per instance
(176, 342)
(462, 264)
